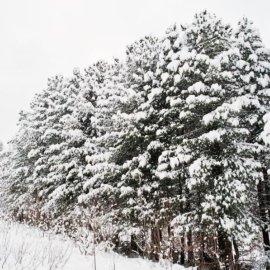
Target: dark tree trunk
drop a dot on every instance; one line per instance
(182, 254)
(236, 264)
(190, 252)
(225, 249)
(156, 237)
(202, 254)
(267, 191)
(263, 207)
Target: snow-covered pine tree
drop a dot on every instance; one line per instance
(208, 155)
(5, 165)
(154, 125)
(50, 149)
(254, 72)
(120, 122)
(114, 100)
(21, 164)
(51, 168)
(94, 200)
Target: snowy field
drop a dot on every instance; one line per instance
(26, 248)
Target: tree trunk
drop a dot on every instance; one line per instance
(236, 250)
(190, 257)
(236, 256)
(263, 205)
(182, 254)
(225, 250)
(267, 191)
(156, 238)
(202, 255)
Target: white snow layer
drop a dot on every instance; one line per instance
(24, 247)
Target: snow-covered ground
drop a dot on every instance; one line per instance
(27, 248)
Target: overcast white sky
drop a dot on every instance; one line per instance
(40, 38)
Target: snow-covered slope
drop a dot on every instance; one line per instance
(27, 248)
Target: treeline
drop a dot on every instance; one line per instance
(165, 154)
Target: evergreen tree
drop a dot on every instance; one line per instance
(5, 165)
(215, 169)
(113, 102)
(254, 72)
(51, 149)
